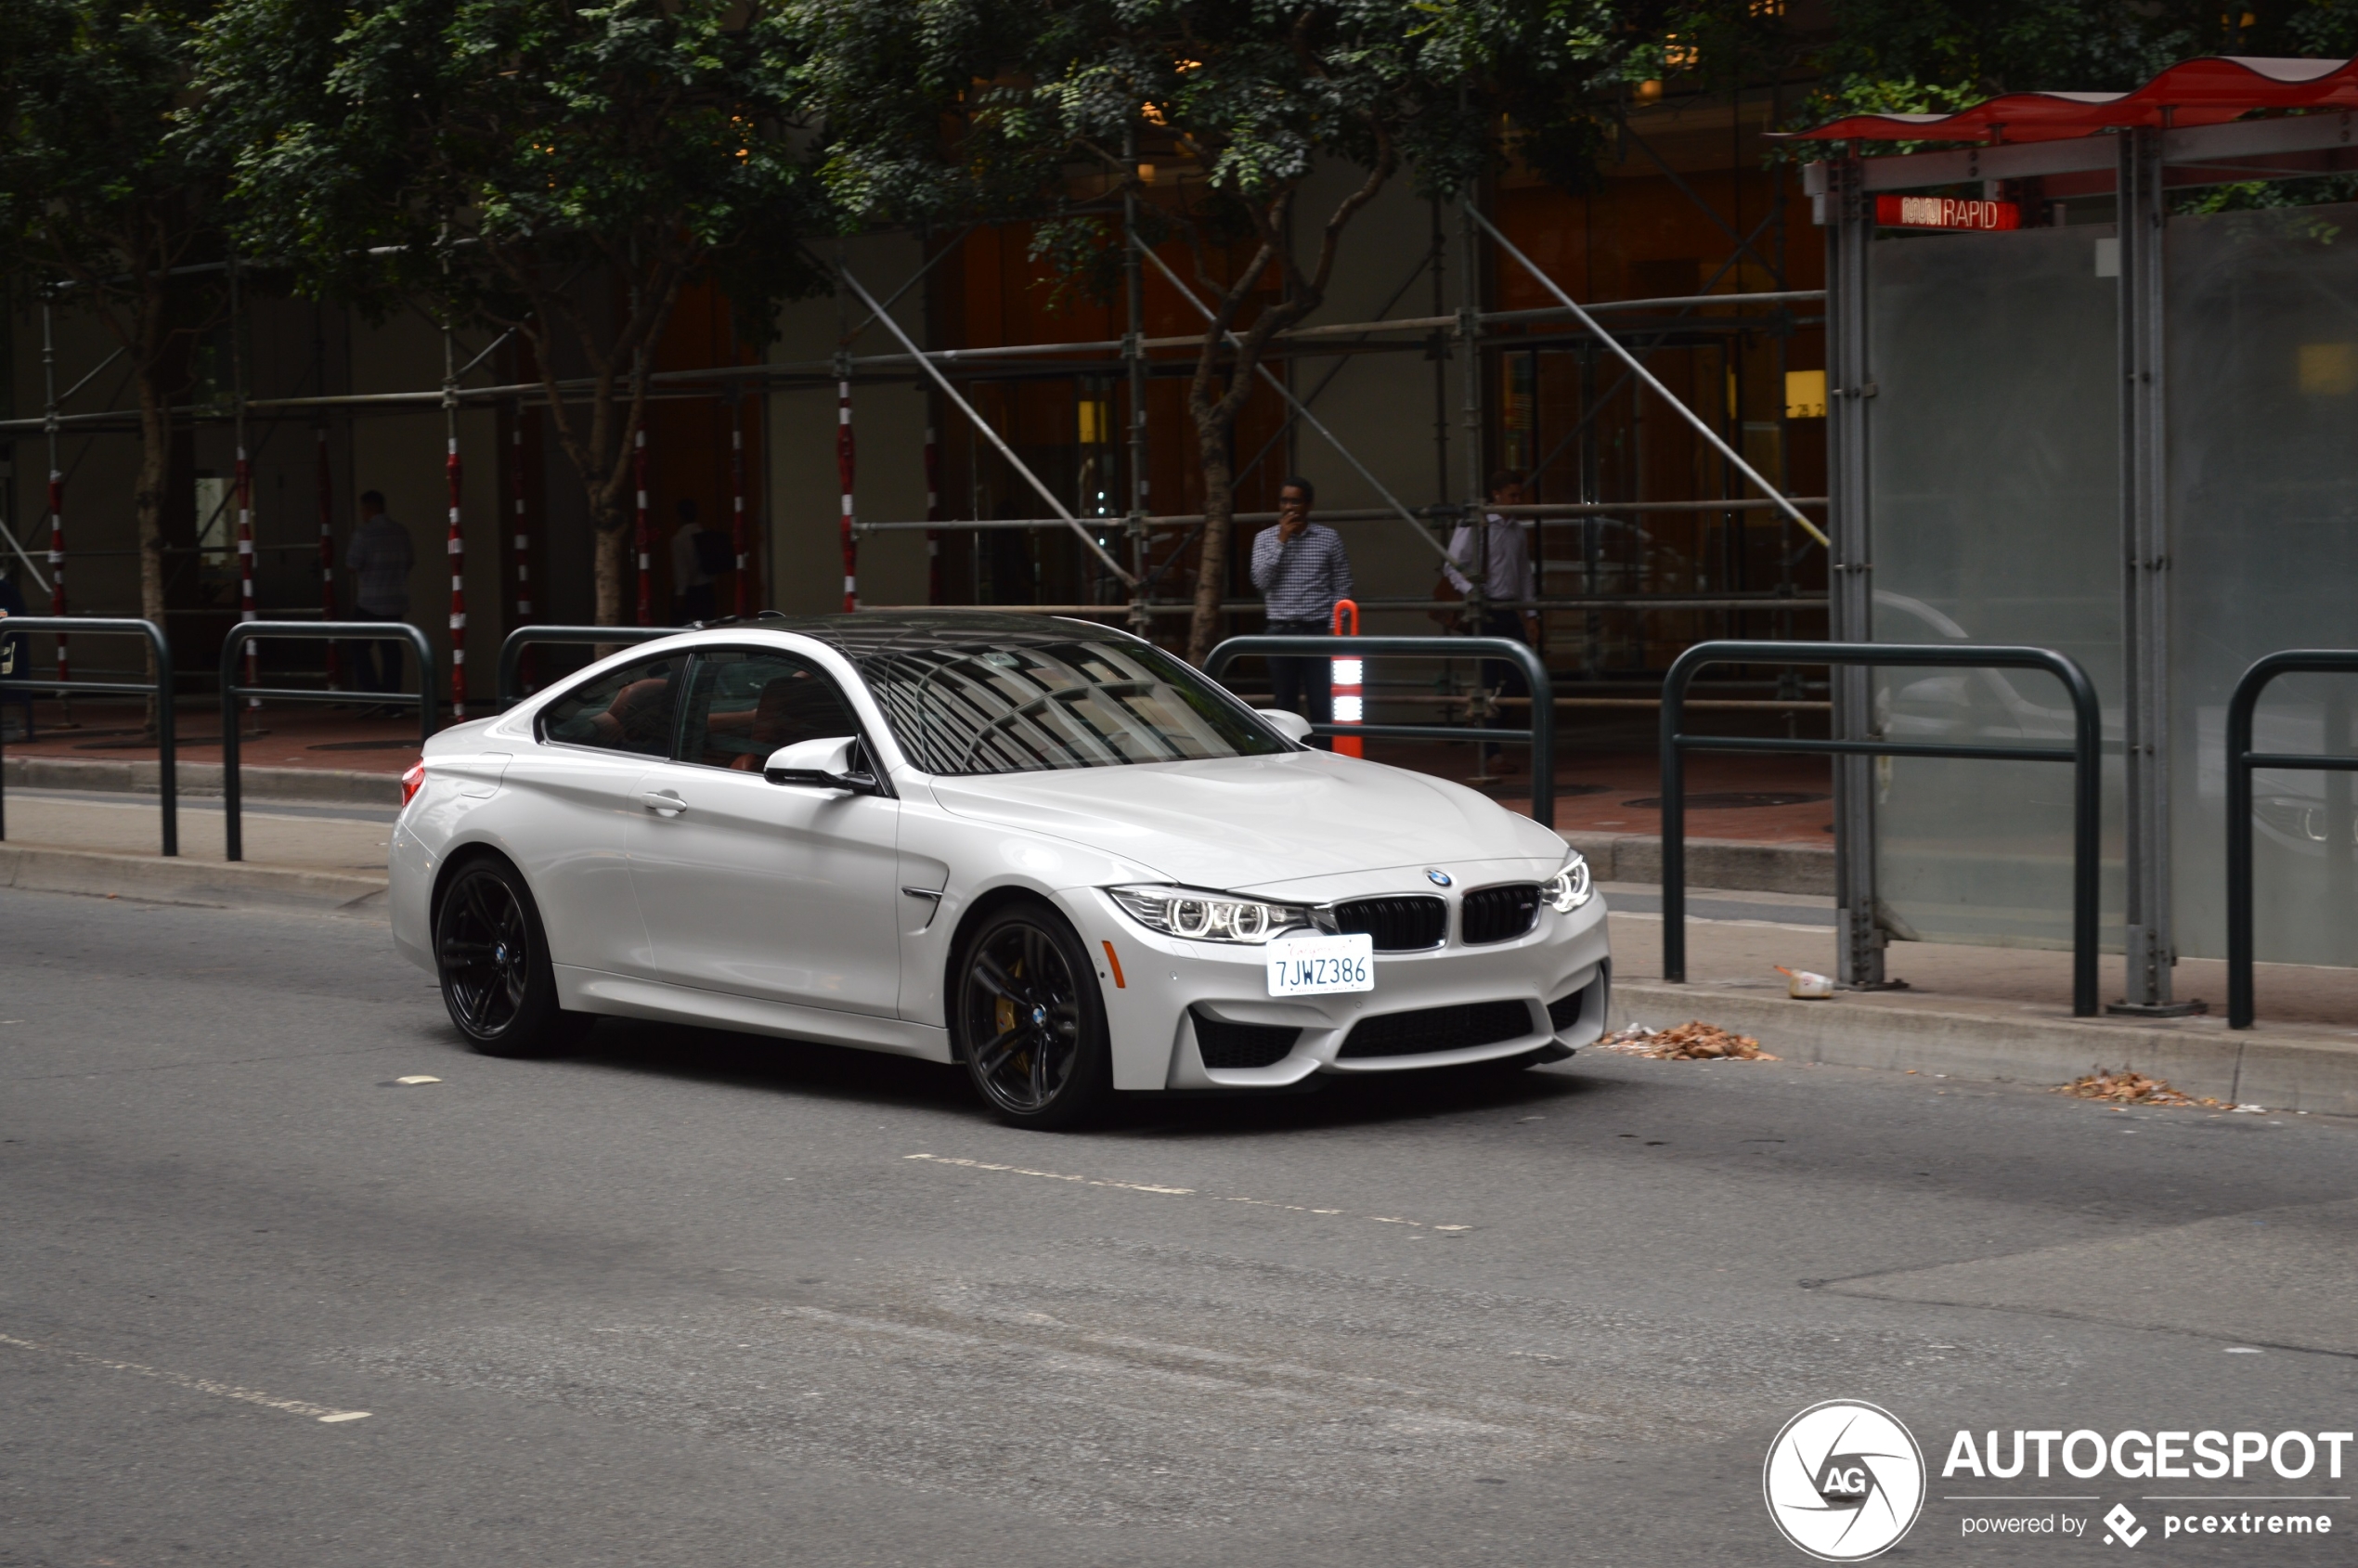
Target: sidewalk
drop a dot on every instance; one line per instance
(328, 858)
(1981, 1012)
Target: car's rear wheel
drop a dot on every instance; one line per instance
(1030, 1022)
(493, 959)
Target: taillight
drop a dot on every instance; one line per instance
(412, 780)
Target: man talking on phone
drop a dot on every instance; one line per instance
(1300, 570)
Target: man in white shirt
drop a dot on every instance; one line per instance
(1499, 552)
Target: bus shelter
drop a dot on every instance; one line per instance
(2092, 384)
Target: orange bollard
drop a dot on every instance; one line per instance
(1350, 685)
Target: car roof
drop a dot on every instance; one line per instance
(862, 636)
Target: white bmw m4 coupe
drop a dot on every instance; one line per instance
(1041, 847)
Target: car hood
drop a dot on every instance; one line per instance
(1243, 822)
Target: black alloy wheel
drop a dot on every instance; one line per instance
(1031, 1023)
(493, 961)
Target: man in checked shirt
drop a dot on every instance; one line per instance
(1300, 570)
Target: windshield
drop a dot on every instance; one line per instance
(1012, 708)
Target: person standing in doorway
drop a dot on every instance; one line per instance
(1498, 554)
(1301, 569)
(378, 562)
(698, 555)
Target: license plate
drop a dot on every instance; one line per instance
(1320, 966)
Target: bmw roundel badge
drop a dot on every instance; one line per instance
(1438, 878)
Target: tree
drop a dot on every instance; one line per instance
(1931, 55)
(107, 185)
(554, 169)
(985, 107)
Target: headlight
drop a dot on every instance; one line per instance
(1208, 917)
(1568, 888)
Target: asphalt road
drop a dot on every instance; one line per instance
(690, 1299)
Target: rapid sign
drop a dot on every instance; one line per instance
(1946, 212)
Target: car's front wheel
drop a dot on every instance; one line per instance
(1030, 1025)
(493, 959)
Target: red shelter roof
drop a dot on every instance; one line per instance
(2196, 92)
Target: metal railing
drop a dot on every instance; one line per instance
(2085, 756)
(511, 651)
(232, 824)
(167, 776)
(2242, 762)
(1540, 737)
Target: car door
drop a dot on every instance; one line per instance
(774, 891)
(572, 798)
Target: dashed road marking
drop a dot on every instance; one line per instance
(195, 1385)
(1180, 1192)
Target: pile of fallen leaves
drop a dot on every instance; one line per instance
(2126, 1088)
(1694, 1041)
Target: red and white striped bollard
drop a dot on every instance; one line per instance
(639, 530)
(844, 469)
(458, 596)
(1349, 680)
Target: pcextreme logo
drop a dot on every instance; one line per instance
(1845, 1480)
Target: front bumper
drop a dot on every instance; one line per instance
(1164, 985)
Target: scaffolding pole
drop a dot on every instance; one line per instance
(456, 545)
(640, 546)
(1133, 352)
(846, 469)
(739, 542)
(57, 492)
(243, 480)
(326, 548)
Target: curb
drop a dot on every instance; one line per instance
(2281, 1071)
(207, 884)
(334, 785)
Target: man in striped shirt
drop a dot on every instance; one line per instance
(1300, 570)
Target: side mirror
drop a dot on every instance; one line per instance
(821, 764)
(1287, 722)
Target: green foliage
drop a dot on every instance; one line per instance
(1918, 55)
(957, 108)
(105, 180)
(488, 150)
(101, 178)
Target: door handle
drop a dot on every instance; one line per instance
(666, 804)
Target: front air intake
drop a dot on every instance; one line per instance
(1224, 1044)
(1431, 1030)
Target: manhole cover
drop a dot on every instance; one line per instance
(1733, 801)
(410, 744)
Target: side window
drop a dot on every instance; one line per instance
(634, 709)
(746, 704)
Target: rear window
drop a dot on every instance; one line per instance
(1008, 708)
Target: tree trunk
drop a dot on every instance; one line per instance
(1219, 514)
(615, 574)
(147, 501)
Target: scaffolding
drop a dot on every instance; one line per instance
(1123, 548)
